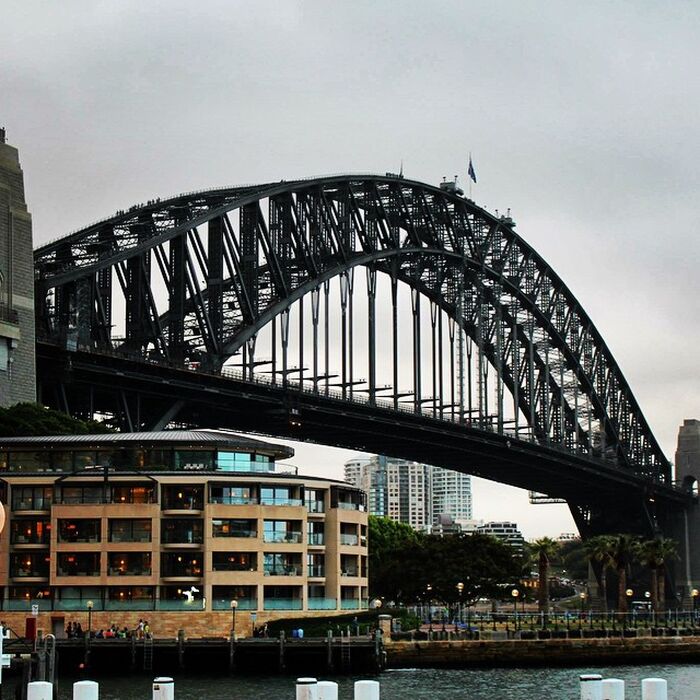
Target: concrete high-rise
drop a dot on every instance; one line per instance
(422, 496)
(17, 364)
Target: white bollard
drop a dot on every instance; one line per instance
(652, 689)
(613, 689)
(86, 690)
(366, 690)
(307, 689)
(39, 690)
(327, 690)
(591, 686)
(163, 688)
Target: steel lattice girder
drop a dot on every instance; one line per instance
(468, 262)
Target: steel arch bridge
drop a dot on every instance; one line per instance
(239, 307)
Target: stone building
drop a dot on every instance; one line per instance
(17, 364)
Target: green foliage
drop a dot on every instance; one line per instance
(575, 560)
(404, 564)
(28, 419)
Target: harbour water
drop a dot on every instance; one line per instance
(411, 684)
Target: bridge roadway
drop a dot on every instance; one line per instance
(600, 493)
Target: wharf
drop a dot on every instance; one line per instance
(215, 654)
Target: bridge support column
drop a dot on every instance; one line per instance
(687, 529)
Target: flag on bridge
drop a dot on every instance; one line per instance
(470, 171)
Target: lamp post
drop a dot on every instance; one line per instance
(429, 591)
(89, 607)
(629, 593)
(460, 590)
(695, 593)
(582, 598)
(234, 605)
(647, 595)
(515, 593)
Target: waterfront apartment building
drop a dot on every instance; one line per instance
(17, 365)
(173, 526)
(424, 497)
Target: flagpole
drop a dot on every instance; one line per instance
(469, 177)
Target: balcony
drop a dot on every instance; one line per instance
(243, 604)
(348, 539)
(316, 571)
(289, 570)
(282, 537)
(316, 539)
(322, 604)
(350, 604)
(267, 501)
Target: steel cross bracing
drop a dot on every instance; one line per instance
(200, 278)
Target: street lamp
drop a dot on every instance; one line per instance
(429, 592)
(629, 593)
(515, 593)
(89, 607)
(460, 590)
(582, 598)
(234, 605)
(376, 603)
(695, 593)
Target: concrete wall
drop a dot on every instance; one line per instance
(18, 377)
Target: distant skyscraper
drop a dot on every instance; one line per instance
(422, 496)
(17, 365)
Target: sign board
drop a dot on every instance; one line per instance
(35, 609)
(253, 616)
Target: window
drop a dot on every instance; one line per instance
(282, 531)
(194, 460)
(29, 565)
(129, 564)
(282, 564)
(279, 496)
(234, 561)
(79, 530)
(183, 497)
(78, 564)
(126, 530)
(182, 531)
(315, 500)
(315, 533)
(133, 494)
(232, 495)
(32, 497)
(30, 532)
(185, 564)
(81, 494)
(234, 528)
(4, 355)
(315, 564)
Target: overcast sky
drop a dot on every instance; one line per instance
(581, 117)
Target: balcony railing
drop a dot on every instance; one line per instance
(316, 538)
(283, 537)
(322, 604)
(243, 604)
(316, 571)
(142, 604)
(282, 604)
(350, 604)
(352, 540)
(234, 500)
(283, 570)
(281, 502)
(315, 507)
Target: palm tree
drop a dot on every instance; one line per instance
(667, 550)
(544, 549)
(599, 550)
(624, 552)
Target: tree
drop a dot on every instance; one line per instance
(27, 419)
(625, 549)
(654, 554)
(599, 551)
(544, 549)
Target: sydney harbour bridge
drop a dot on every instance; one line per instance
(369, 312)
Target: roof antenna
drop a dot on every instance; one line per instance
(401, 170)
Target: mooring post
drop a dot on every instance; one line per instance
(181, 649)
(281, 657)
(329, 650)
(232, 652)
(613, 689)
(591, 686)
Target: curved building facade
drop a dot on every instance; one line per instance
(176, 527)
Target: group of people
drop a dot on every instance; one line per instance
(141, 631)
